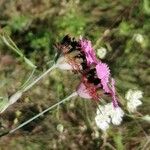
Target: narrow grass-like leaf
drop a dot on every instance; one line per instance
(9, 42)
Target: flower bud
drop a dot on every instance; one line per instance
(15, 97)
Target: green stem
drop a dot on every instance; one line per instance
(28, 80)
(41, 113)
(19, 93)
(38, 115)
(38, 79)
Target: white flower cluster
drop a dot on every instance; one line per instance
(133, 99)
(108, 114)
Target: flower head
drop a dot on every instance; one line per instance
(133, 99)
(79, 55)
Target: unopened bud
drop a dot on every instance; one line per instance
(60, 128)
(101, 52)
(15, 97)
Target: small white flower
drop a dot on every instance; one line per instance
(138, 38)
(101, 110)
(133, 99)
(133, 95)
(109, 108)
(117, 115)
(132, 106)
(101, 52)
(102, 121)
(107, 114)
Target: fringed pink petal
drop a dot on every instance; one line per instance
(103, 73)
(88, 50)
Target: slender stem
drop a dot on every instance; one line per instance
(39, 78)
(19, 93)
(41, 113)
(12, 47)
(29, 79)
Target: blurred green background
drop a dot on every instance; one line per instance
(35, 26)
